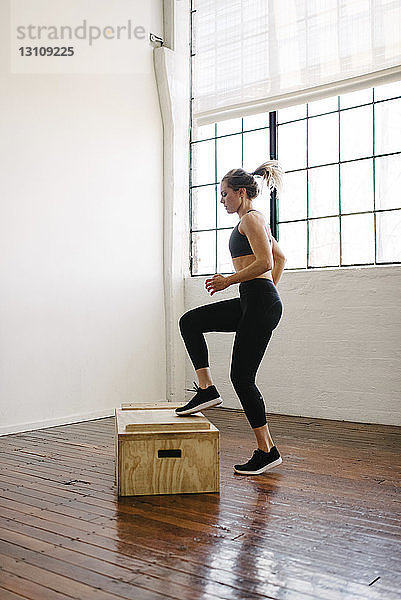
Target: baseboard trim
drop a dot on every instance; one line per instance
(67, 420)
(272, 415)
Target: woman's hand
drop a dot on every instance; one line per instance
(217, 283)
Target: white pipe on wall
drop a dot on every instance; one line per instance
(172, 77)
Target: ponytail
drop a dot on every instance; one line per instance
(272, 173)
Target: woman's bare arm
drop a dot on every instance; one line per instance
(279, 261)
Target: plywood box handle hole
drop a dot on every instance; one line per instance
(169, 453)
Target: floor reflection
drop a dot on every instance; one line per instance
(173, 535)
(206, 540)
(246, 520)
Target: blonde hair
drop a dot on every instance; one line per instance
(272, 173)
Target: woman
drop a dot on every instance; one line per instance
(258, 263)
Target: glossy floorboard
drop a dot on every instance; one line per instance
(325, 524)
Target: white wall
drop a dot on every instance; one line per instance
(81, 234)
(336, 352)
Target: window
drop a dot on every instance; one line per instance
(342, 157)
(217, 149)
(341, 203)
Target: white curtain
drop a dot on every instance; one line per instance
(255, 55)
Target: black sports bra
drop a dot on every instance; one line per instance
(238, 242)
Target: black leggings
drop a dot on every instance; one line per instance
(253, 316)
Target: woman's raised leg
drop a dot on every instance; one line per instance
(221, 316)
(218, 316)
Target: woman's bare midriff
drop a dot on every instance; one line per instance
(244, 261)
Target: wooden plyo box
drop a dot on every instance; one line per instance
(158, 452)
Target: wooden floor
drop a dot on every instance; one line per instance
(324, 524)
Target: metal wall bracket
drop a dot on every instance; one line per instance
(155, 39)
